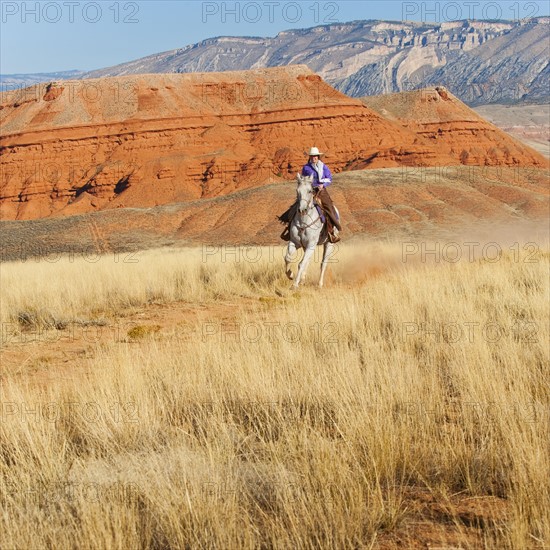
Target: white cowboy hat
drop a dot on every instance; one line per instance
(315, 152)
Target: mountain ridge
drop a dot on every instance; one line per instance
(371, 57)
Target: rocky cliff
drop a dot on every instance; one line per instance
(478, 61)
(80, 146)
(146, 140)
(452, 127)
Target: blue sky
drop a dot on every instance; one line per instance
(49, 36)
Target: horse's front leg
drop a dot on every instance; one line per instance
(302, 268)
(289, 257)
(327, 253)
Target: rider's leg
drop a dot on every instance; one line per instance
(333, 220)
(326, 202)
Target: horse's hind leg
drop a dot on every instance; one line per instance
(327, 253)
(289, 256)
(302, 268)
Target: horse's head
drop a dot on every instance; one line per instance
(304, 192)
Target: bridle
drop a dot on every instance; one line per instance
(310, 205)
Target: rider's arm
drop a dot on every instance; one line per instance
(327, 176)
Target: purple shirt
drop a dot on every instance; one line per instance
(309, 170)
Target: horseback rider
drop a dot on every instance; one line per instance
(322, 178)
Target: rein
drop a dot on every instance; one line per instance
(302, 229)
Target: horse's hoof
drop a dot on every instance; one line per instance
(289, 275)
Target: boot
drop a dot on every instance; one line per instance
(332, 231)
(327, 205)
(331, 213)
(333, 235)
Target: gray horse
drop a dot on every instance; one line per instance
(307, 230)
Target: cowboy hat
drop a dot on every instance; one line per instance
(315, 152)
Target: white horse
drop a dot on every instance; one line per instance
(307, 230)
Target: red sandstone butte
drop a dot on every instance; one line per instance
(453, 128)
(145, 140)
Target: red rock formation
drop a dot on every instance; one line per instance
(149, 140)
(453, 128)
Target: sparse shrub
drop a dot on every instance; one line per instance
(142, 331)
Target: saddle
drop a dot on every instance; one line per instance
(322, 214)
(288, 216)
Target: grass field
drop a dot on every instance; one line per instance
(404, 405)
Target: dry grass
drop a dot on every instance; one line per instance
(304, 423)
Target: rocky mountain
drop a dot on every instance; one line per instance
(478, 61)
(454, 128)
(148, 140)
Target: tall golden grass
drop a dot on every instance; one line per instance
(303, 421)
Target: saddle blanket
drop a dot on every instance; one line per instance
(321, 213)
